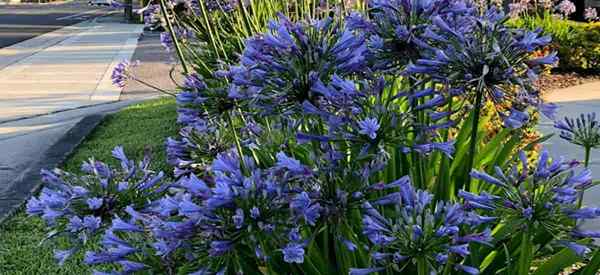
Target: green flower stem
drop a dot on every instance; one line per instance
(474, 129)
(238, 144)
(525, 255)
(587, 157)
(586, 164)
(165, 13)
(422, 267)
(152, 86)
(246, 17)
(448, 267)
(209, 27)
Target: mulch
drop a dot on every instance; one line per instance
(554, 81)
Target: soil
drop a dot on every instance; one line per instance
(549, 82)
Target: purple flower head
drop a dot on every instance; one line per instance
(462, 250)
(61, 256)
(131, 267)
(583, 130)
(91, 223)
(272, 63)
(119, 225)
(516, 119)
(487, 178)
(364, 271)
(94, 203)
(528, 213)
(218, 248)
(418, 228)
(303, 205)
(580, 250)
(293, 165)
(238, 218)
(293, 253)
(544, 205)
(467, 269)
(122, 73)
(369, 127)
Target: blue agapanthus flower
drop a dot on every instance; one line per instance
(364, 115)
(278, 68)
(489, 58)
(236, 207)
(122, 73)
(82, 205)
(583, 130)
(541, 199)
(398, 28)
(415, 229)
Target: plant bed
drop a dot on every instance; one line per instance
(394, 138)
(560, 80)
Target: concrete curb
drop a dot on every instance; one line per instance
(30, 180)
(106, 90)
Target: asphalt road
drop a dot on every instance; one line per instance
(24, 21)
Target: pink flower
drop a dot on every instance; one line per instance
(566, 7)
(590, 14)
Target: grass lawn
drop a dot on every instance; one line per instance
(139, 127)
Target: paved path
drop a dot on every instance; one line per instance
(49, 83)
(75, 72)
(574, 101)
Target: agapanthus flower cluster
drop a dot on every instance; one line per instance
(538, 199)
(278, 68)
(202, 111)
(397, 29)
(591, 14)
(123, 73)
(566, 8)
(221, 5)
(364, 115)
(583, 130)
(491, 59)
(182, 35)
(416, 231)
(82, 206)
(238, 211)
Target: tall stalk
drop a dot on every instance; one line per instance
(246, 17)
(474, 129)
(525, 253)
(586, 164)
(422, 266)
(163, 9)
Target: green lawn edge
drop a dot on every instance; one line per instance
(138, 128)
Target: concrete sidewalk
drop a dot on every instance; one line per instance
(574, 101)
(48, 84)
(67, 69)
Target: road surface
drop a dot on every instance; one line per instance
(24, 21)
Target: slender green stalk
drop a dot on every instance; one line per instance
(448, 267)
(474, 129)
(422, 266)
(152, 86)
(238, 144)
(209, 26)
(165, 13)
(525, 256)
(246, 17)
(586, 164)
